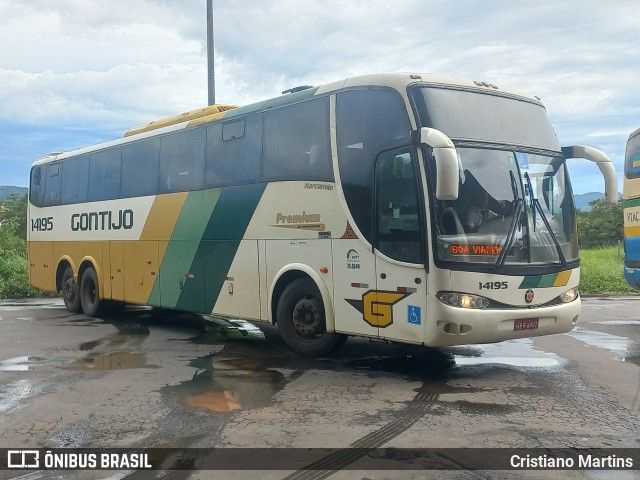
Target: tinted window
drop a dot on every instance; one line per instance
(632, 158)
(369, 122)
(140, 162)
(397, 207)
(233, 161)
(479, 116)
(104, 175)
(182, 161)
(75, 172)
(52, 185)
(296, 142)
(233, 130)
(36, 186)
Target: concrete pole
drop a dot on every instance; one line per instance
(210, 64)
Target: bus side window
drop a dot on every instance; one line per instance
(369, 121)
(182, 161)
(233, 152)
(398, 232)
(36, 190)
(104, 175)
(75, 173)
(52, 186)
(140, 160)
(290, 134)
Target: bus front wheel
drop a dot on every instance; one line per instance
(301, 320)
(70, 292)
(89, 293)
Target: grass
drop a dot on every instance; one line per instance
(601, 272)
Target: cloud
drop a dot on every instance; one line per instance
(106, 66)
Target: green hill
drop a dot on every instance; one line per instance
(7, 191)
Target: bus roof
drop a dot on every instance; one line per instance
(213, 113)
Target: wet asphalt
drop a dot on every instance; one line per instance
(152, 378)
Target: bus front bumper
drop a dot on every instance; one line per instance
(460, 326)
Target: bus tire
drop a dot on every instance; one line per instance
(301, 320)
(90, 293)
(70, 291)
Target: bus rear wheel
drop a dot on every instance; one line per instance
(70, 293)
(301, 320)
(90, 293)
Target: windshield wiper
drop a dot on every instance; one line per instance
(535, 206)
(517, 214)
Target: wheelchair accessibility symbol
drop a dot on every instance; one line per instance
(413, 315)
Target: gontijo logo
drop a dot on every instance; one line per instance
(376, 307)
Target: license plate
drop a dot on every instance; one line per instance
(525, 324)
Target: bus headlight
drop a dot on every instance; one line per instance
(463, 300)
(569, 296)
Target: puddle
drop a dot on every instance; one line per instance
(110, 361)
(613, 343)
(619, 323)
(13, 305)
(513, 353)
(14, 394)
(19, 364)
(224, 385)
(235, 330)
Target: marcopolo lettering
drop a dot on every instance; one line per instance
(106, 220)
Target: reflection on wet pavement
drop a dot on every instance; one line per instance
(229, 331)
(625, 349)
(122, 350)
(514, 353)
(110, 361)
(18, 364)
(224, 385)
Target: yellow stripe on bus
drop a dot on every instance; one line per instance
(562, 279)
(636, 163)
(631, 231)
(162, 220)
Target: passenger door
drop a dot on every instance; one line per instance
(399, 238)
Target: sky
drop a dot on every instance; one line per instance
(78, 72)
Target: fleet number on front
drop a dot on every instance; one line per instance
(493, 285)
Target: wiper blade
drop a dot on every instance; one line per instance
(536, 207)
(511, 235)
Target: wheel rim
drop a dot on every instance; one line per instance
(68, 291)
(307, 318)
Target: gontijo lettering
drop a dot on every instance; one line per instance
(106, 220)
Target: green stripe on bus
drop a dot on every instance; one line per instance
(634, 202)
(182, 248)
(220, 240)
(547, 281)
(529, 282)
(539, 281)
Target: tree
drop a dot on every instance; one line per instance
(14, 211)
(602, 226)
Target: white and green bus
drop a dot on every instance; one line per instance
(406, 207)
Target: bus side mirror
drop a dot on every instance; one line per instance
(446, 159)
(604, 164)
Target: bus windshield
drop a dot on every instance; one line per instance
(486, 117)
(515, 205)
(513, 208)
